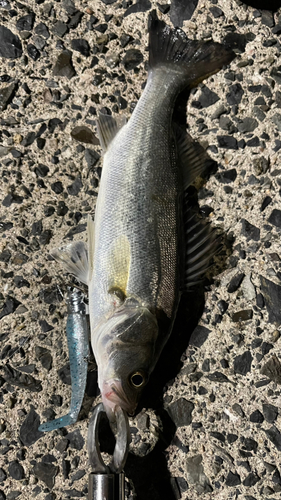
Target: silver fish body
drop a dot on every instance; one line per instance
(138, 257)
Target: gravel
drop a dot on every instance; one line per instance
(210, 418)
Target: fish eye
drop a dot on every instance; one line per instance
(137, 380)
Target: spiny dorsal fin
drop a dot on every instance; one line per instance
(74, 258)
(107, 128)
(202, 244)
(192, 156)
(119, 264)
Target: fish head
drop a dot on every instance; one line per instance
(126, 357)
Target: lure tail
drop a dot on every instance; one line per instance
(78, 346)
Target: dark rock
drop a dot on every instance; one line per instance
(254, 142)
(247, 125)
(125, 39)
(28, 139)
(62, 209)
(275, 218)
(82, 46)
(37, 228)
(3, 475)
(267, 18)
(75, 20)
(57, 187)
(251, 480)
(5, 256)
(196, 475)
(25, 23)
(276, 478)
(44, 356)
(226, 176)
(74, 188)
(250, 231)
(266, 347)
(23, 380)
(235, 282)
(242, 363)
(33, 52)
(164, 8)
(7, 94)
(10, 44)
(216, 11)
(139, 6)
(80, 228)
(29, 433)
(267, 200)
(60, 29)
(84, 134)
(237, 408)
(231, 438)
(236, 41)
(63, 65)
(46, 472)
(250, 444)
(232, 479)
(218, 435)
(243, 315)
(199, 336)
(21, 282)
(64, 374)
(75, 440)
(207, 97)
(16, 470)
(218, 377)
(53, 123)
(132, 59)
(45, 237)
(78, 475)
(108, 2)
(270, 412)
(9, 307)
(42, 30)
(182, 11)
(235, 93)
(272, 369)
(272, 296)
(45, 327)
(256, 417)
(41, 170)
(50, 295)
(181, 412)
(275, 437)
(227, 142)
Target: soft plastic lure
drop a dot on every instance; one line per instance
(78, 346)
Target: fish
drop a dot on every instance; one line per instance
(77, 332)
(146, 245)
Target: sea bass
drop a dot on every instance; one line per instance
(144, 247)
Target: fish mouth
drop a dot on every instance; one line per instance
(114, 395)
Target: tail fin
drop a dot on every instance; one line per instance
(194, 59)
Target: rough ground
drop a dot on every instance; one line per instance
(210, 424)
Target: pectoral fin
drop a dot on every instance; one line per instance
(119, 264)
(74, 258)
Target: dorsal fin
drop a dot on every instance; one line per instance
(202, 244)
(107, 128)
